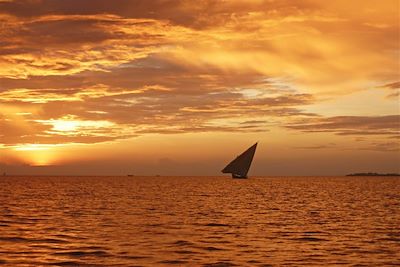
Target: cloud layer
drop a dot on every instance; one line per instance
(351, 125)
(109, 70)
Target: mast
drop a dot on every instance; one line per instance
(239, 167)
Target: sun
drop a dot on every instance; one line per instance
(65, 126)
(72, 125)
(37, 154)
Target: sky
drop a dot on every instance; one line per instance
(181, 87)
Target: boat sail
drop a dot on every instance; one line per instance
(239, 167)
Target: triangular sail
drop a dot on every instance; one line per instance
(240, 166)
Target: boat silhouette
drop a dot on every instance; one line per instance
(239, 167)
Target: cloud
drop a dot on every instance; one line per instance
(253, 122)
(394, 85)
(22, 130)
(168, 66)
(383, 147)
(199, 14)
(160, 113)
(63, 45)
(150, 95)
(350, 125)
(394, 89)
(314, 147)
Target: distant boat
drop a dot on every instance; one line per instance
(239, 167)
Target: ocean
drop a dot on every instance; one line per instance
(199, 221)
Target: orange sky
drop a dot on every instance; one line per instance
(180, 87)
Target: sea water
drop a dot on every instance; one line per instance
(199, 221)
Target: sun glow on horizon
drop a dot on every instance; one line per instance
(37, 154)
(33, 147)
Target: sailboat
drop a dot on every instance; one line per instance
(239, 167)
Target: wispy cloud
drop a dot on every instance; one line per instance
(393, 88)
(350, 125)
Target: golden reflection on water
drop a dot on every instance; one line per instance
(147, 221)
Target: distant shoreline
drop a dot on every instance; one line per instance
(372, 174)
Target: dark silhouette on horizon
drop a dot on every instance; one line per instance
(239, 167)
(372, 174)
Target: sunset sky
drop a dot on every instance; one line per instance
(180, 87)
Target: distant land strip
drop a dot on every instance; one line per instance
(372, 174)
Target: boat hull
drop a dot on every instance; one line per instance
(238, 176)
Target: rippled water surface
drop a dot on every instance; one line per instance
(199, 221)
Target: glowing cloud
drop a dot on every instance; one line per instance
(106, 71)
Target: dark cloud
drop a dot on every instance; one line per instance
(149, 71)
(351, 125)
(203, 128)
(253, 122)
(197, 14)
(394, 85)
(10, 130)
(152, 96)
(66, 32)
(327, 146)
(170, 109)
(394, 89)
(44, 35)
(44, 82)
(383, 147)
